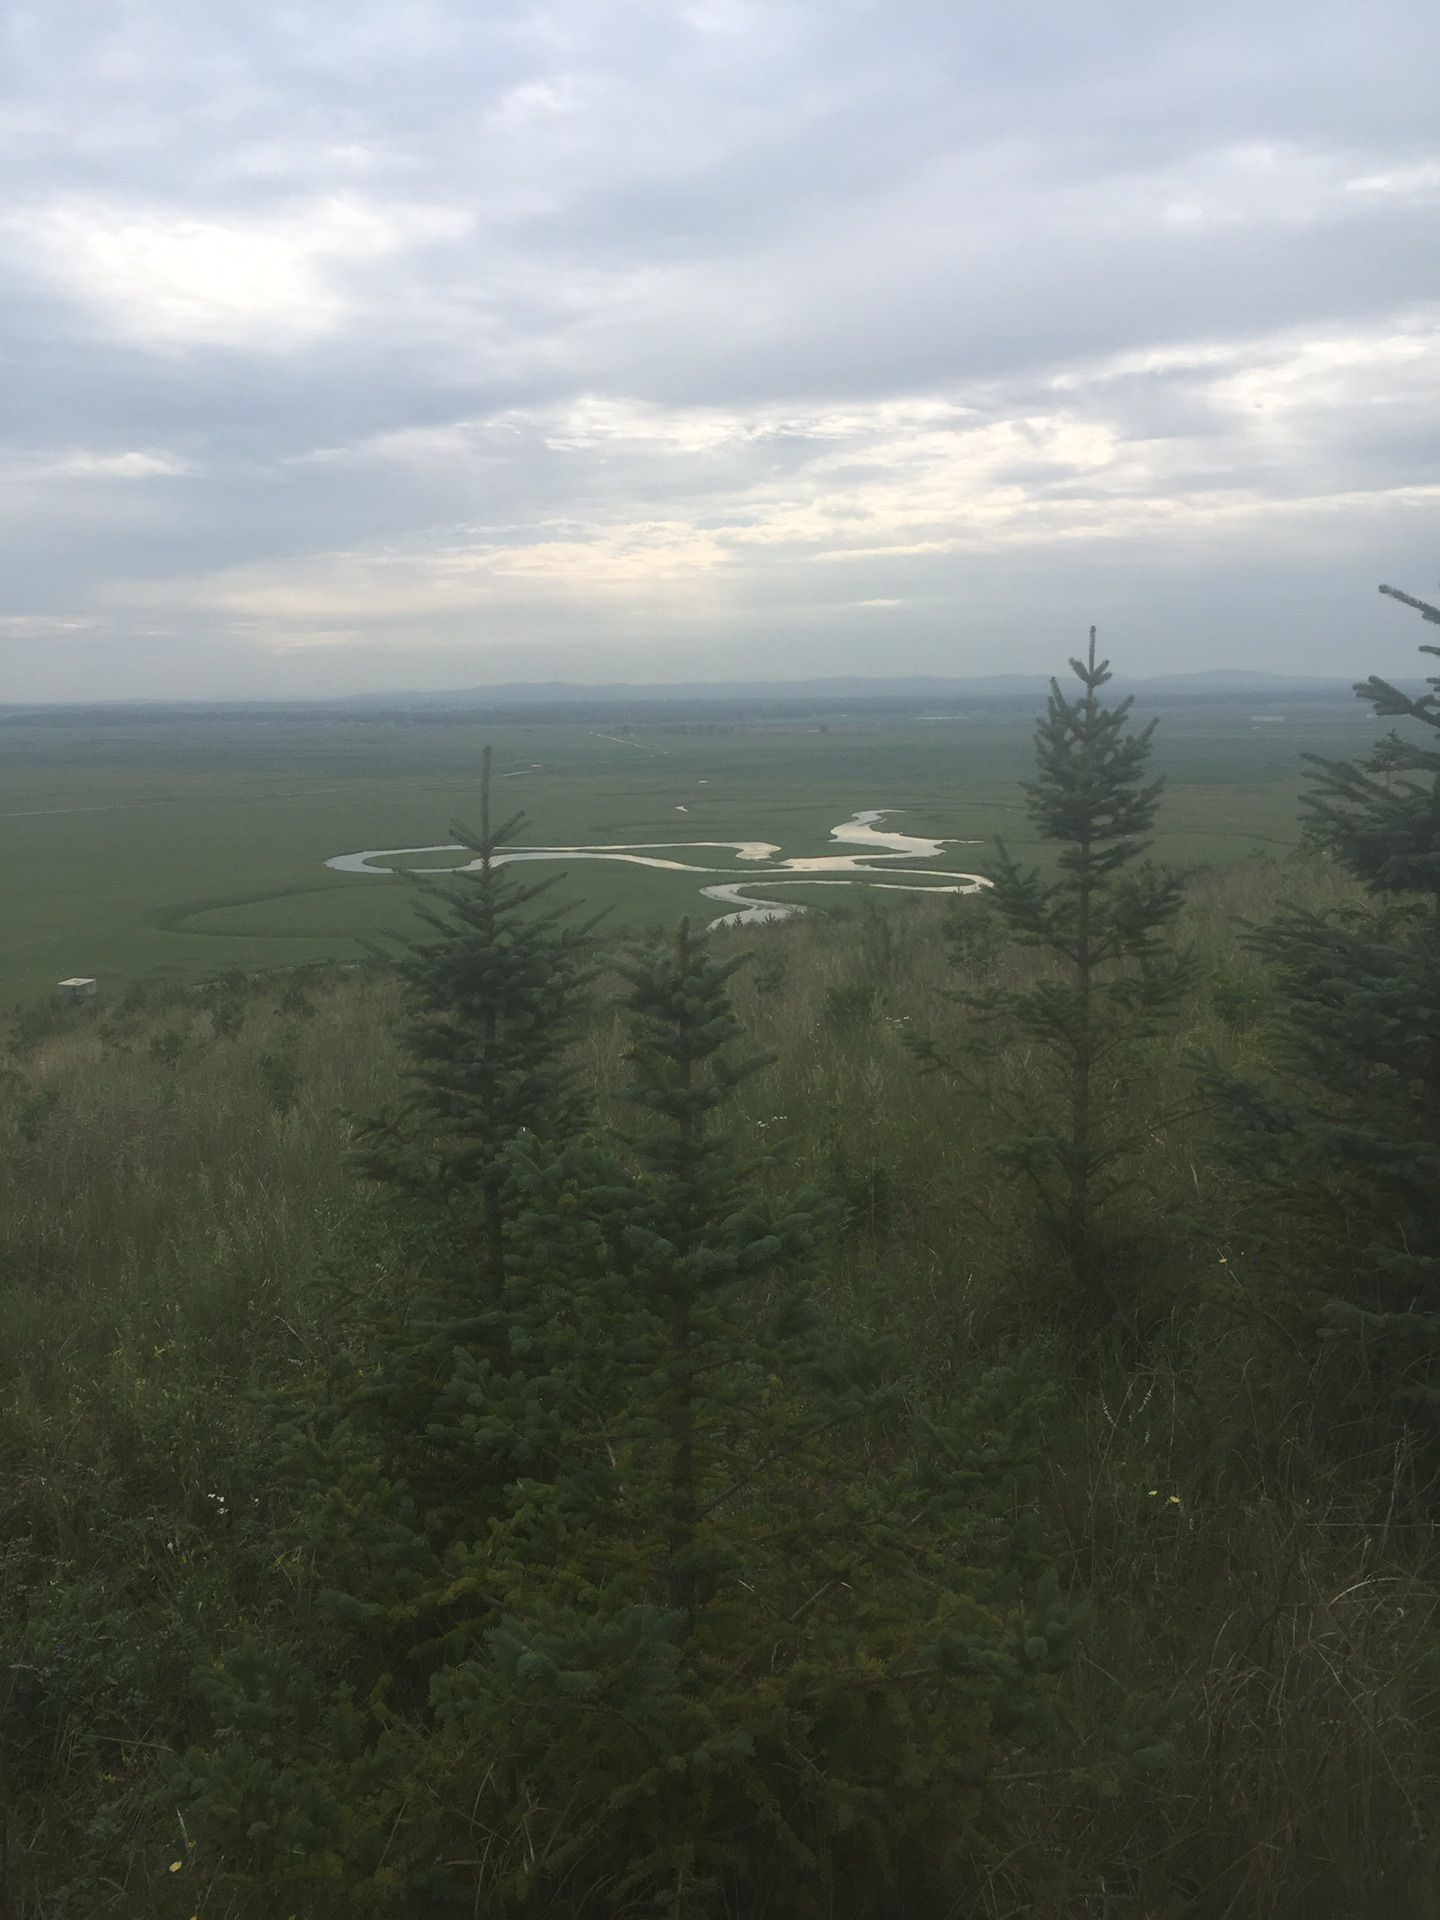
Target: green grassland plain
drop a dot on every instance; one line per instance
(166, 847)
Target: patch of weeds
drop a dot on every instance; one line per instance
(280, 1076)
(1239, 998)
(973, 935)
(33, 1113)
(850, 1006)
(771, 973)
(866, 1190)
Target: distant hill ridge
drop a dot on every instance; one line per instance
(530, 701)
(910, 687)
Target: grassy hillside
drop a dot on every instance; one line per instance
(1251, 1724)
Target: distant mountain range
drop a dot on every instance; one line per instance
(542, 693)
(719, 701)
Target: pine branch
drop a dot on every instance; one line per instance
(1422, 607)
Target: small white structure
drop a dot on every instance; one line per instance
(77, 989)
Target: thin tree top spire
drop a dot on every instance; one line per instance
(485, 843)
(1090, 676)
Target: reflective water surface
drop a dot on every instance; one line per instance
(747, 899)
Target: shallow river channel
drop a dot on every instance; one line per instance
(877, 853)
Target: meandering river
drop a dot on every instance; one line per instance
(748, 899)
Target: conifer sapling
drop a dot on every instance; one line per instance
(1101, 922)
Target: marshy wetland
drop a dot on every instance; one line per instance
(751, 902)
(172, 844)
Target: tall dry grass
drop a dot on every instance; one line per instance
(1251, 1726)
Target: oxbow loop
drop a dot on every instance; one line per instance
(880, 851)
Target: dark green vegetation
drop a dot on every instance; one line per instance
(144, 847)
(623, 1516)
(1102, 916)
(1346, 1141)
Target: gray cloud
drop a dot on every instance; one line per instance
(422, 344)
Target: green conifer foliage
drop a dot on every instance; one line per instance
(1101, 923)
(1342, 1147)
(394, 1478)
(701, 1244)
(494, 999)
(712, 1619)
(761, 1639)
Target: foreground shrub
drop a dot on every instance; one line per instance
(725, 1625)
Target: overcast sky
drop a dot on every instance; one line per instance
(393, 345)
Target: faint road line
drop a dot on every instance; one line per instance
(664, 752)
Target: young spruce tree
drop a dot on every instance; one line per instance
(494, 1000)
(733, 1629)
(389, 1491)
(1341, 1149)
(762, 1640)
(1110, 981)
